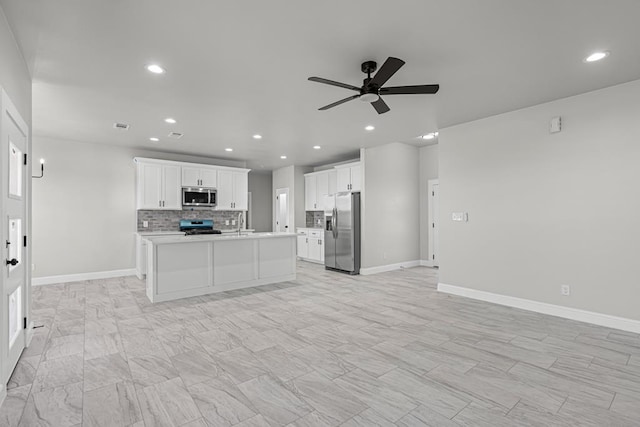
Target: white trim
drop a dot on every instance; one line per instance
(50, 280)
(600, 319)
(3, 393)
(426, 263)
(390, 267)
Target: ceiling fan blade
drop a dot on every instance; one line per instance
(388, 69)
(410, 90)
(342, 101)
(380, 106)
(332, 83)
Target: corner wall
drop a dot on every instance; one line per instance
(547, 210)
(391, 226)
(260, 187)
(428, 171)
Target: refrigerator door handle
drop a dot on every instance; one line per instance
(335, 223)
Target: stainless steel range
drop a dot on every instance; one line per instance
(193, 227)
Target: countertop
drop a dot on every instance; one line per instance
(165, 239)
(169, 233)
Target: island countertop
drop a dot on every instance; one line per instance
(164, 239)
(185, 266)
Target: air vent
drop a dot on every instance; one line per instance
(175, 135)
(122, 126)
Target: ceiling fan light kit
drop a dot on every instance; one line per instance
(372, 86)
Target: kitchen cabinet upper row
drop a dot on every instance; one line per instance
(159, 184)
(318, 186)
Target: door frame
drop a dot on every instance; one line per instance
(278, 192)
(433, 223)
(7, 108)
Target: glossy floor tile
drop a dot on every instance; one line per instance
(324, 350)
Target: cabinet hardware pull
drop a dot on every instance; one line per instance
(12, 261)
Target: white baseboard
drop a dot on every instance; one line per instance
(389, 267)
(599, 319)
(50, 280)
(426, 263)
(29, 336)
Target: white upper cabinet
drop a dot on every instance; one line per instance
(349, 177)
(233, 188)
(199, 177)
(316, 187)
(158, 186)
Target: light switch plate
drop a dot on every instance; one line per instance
(460, 216)
(145, 224)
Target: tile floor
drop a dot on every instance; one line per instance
(325, 350)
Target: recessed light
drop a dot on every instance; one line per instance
(257, 136)
(154, 139)
(228, 149)
(316, 147)
(155, 69)
(369, 128)
(283, 157)
(170, 120)
(429, 135)
(596, 56)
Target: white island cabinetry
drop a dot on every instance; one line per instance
(186, 266)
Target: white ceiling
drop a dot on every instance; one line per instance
(240, 67)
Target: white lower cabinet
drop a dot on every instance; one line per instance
(311, 244)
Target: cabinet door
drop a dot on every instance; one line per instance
(303, 246)
(190, 177)
(171, 186)
(225, 190)
(310, 193)
(333, 182)
(208, 178)
(356, 178)
(322, 190)
(343, 179)
(314, 249)
(240, 191)
(149, 186)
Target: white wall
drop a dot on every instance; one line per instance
(260, 187)
(390, 226)
(547, 209)
(428, 171)
(84, 215)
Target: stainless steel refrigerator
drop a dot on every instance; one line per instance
(342, 233)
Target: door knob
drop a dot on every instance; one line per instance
(13, 261)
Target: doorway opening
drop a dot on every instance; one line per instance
(282, 210)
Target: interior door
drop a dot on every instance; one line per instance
(13, 180)
(282, 210)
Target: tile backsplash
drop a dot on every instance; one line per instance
(314, 219)
(170, 220)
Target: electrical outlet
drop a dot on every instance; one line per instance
(565, 290)
(384, 255)
(226, 222)
(145, 224)
(33, 267)
(233, 222)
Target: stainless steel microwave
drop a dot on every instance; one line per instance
(199, 197)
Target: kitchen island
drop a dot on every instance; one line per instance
(186, 266)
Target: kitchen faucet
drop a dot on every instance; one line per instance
(240, 221)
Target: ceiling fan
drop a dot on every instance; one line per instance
(372, 87)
